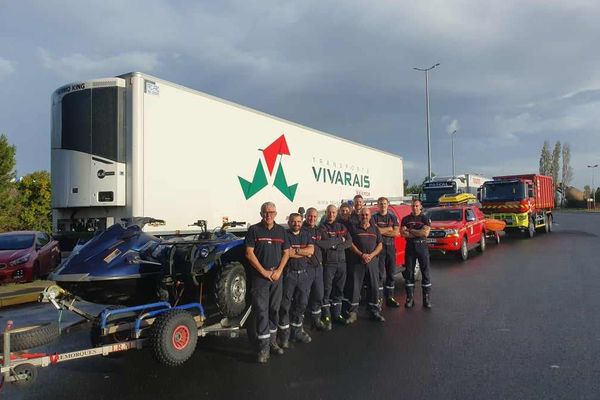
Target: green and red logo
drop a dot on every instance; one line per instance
(278, 148)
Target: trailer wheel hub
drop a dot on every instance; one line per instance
(181, 337)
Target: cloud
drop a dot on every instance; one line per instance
(6, 67)
(79, 66)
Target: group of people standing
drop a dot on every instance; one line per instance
(323, 268)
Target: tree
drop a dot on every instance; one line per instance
(35, 197)
(8, 191)
(567, 171)
(545, 159)
(555, 163)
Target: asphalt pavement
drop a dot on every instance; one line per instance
(520, 321)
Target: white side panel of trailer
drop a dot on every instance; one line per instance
(196, 148)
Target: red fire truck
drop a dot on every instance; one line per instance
(524, 202)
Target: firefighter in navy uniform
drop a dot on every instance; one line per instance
(343, 215)
(389, 229)
(415, 228)
(334, 266)
(315, 268)
(366, 246)
(359, 203)
(296, 284)
(267, 252)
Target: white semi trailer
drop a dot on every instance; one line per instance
(136, 145)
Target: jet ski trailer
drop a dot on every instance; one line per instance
(171, 333)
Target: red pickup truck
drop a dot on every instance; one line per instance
(457, 229)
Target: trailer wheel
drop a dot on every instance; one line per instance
(482, 243)
(231, 289)
(173, 337)
(549, 223)
(530, 232)
(29, 374)
(463, 253)
(29, 337)
(497, 237)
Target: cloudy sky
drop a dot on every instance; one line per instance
(512, 73)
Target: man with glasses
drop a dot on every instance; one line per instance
(389, 229)
(415, 228)
(267, 252)
(366, 246)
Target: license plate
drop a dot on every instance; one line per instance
(431, 241)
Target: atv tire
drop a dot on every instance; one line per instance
(29, 337)
(173, 337)
(231, 289)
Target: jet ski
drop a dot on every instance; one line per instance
(125, 266)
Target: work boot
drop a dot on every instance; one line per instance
(300, 336)
(340, 320)
(327, 323)
(391, 302)
(263, 352)
(352, 317)
(318, 324)
(285, 335)
(426, 300)
(410, 301)
(376, 316)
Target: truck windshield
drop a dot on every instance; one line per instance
(432, 195)
(445, 215)
(16, 242)
(503, 191)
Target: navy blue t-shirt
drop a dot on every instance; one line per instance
(268, 244)
(388, 220)
(366, 240)
(299, 241)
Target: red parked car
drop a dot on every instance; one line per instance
(400, 211)
(27, 255)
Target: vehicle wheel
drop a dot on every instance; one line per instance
(530, 232)
(173, 337)
(546, 230)
(230, 289)
(497, 237)
(35, 273)
(549, 223)
(463, 253)
(482, 243)
(30, 374)
(29, 337)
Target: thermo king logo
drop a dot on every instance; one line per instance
(278, 148)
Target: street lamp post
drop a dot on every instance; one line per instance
(426, 70)
(452, 136)
(593, 194)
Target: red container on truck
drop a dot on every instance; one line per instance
(524, 202)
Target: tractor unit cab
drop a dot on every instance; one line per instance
(524, 202)
(440, 186)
